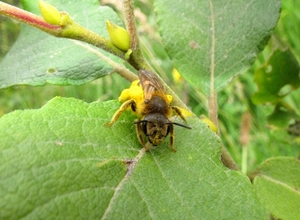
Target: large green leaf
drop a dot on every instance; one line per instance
(61, 161)
(278, 184)
(211, 41)
(37, 58)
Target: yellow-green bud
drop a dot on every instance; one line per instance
(118, 36)
(176, 76)
(49, 13)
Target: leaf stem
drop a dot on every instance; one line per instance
(213, 107)
(118, 68)
(227, 160)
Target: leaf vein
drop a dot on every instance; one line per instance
(120, 185)
(280, 183)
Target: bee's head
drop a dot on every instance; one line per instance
(156, 127)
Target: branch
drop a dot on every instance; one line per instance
(61, 25)
(28, 18)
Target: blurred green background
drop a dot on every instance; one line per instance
(244, 127)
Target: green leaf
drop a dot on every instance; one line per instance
(277, 184)
(61, 160)
(38, 58)
(280, 70)
(212, 41)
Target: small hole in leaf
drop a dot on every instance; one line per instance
(51, 70)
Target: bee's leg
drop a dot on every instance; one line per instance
(178, 112)
(118, 113)
(172, 138)
(139, 132)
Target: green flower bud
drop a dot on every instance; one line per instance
(49, 13)
(118, 36)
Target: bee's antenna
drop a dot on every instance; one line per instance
(173, 123)
(181, 125)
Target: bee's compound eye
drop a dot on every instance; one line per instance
(133, 107)
(169, 128)
(144, 127)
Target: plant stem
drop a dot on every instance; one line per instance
(128, 12)
(244, 139)
(136, 59)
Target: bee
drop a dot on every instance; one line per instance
(148, 99)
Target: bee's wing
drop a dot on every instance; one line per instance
(151, 84)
